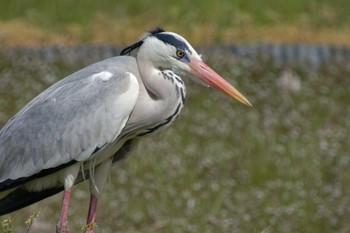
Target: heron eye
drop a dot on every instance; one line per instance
(180, 53)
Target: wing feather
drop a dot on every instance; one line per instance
(67, 122)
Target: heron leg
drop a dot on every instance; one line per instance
(92, 210)
(91, 219)
(98, 177)
(62, 225)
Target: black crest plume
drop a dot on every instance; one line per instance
(138, 44)
(156, 31)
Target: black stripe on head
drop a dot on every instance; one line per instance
(172, 40)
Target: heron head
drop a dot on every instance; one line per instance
(168, 50)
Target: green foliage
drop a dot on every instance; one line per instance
(89, 227)
(222, 12)
(38, 23)
(29, 222)
(6, 225)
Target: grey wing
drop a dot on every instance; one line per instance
(67, 122)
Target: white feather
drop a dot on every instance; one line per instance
(104, 76)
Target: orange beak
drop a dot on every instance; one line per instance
(209, 76)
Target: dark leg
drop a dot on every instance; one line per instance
(91, 219)
(92, 210)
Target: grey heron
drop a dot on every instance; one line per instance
(77, 128)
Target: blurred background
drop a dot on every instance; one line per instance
(281, 166)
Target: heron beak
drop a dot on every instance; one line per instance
(209, 76)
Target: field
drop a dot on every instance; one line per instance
(38, 23)
(280, 166)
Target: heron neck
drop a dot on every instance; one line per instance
(158, 87)
(160, 100)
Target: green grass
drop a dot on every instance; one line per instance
(203, 22)
(61, 13)
(281, 166)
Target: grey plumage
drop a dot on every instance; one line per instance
(68, 121)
